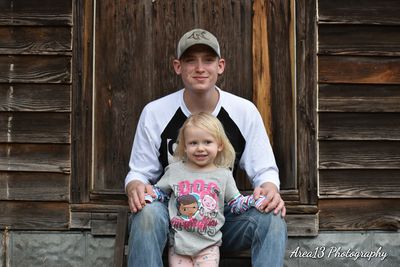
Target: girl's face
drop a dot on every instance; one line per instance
(201, 147)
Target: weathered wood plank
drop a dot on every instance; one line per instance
(35, 97)
(359, 155)
(81, 125)
(80, 220)
(27, 12)
(302, 224)
(261, 65)
(359, 183)
(120, 238)
(103, 223)
(34, 127)
(35, 40)
(359, 126)
(358, 40)
(22, 215)
(282, 92)
(306, 100)
(34, 157)
(34, 186)
(359, 98)
(359, 11)
(35, 69)
(359, 214)
(358, 69)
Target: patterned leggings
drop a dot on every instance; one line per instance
(208, 257)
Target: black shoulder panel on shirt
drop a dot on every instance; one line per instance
(169, 136)
(234, 134)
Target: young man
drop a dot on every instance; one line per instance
(199, 64)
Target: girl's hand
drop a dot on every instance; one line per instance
(272, 201)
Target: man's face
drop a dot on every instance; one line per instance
(199, 68)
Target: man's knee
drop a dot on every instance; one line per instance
(152, 215)
(271, 224)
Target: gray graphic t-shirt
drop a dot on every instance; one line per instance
(196, 205)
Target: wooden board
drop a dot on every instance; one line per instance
(35, 40)
(359, 69)
(35, 157)
(35, 97)
(359, 155)
(359, 98)
(34, 186)
(359, 126)
(359, 183)
(359, 11)
(34, 127)
(359, 214)
(27, 12)
(35, 69)
(21, 215)
(344, 39)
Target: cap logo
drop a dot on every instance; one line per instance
(197, 35)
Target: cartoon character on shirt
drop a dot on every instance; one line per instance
(208, 206)
(187, 206)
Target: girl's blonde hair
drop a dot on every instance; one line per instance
(226, 157)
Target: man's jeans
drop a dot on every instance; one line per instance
(264, 233)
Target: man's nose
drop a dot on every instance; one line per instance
(199, 65)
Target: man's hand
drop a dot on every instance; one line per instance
(135, 191)
(273, 200)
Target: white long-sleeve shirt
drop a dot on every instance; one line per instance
(161, 120)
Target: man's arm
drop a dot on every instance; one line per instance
(272, 201)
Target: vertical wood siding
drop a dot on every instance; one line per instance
(35, 123)
(359, 114)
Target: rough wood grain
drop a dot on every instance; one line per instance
(344, 39)
(81, 116)
(34, 186)
(282, 90)
(261, 65)
(360, 69)
(359, 98)
(34, 127)
(384, 12)
(35, 40)
(21, 215)
(359, 183)
(306, 101)
(35, 97)
(359, 214)
(359, 126)
(359, 155)
(35, 157)
(35, 69)
(27, 12)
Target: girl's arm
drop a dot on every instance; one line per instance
(160, 196)
(242, 203)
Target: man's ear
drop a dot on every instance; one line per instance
(221, 66)
(177, 66)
